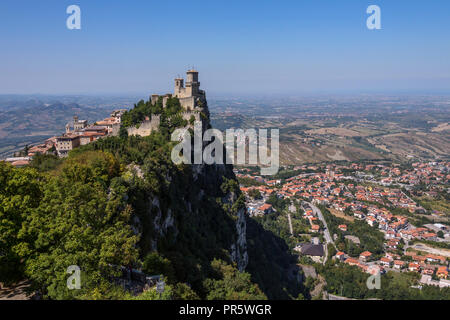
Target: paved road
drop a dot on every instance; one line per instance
(334, 297)
(326, 232)
(291, 209)
(438, 251)
(320, 216)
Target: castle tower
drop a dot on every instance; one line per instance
(179, 87)
(189, 93)
(192, 76)
(179, 83)
(79, 125)
(192, 84)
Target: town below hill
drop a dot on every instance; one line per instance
(385, 219)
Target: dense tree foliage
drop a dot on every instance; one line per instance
(277, 224)
(230, 284)
(45, 162)
(249, 182)
(83, 219)
(19, 195)
(185, 252)
(278, 203)
(141, 110)
(155, 264)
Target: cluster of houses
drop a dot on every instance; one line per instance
(81, 133)
(21, 161)
(363, 202)
(312, 219)
(419, 172)
(258, 207)
(77, 133)
(264, 209)
(428, 264)
(360, 263)
(427, 173)
(330, 189)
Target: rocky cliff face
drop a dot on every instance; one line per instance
(201, 211)
(205, 183)
(239, 252)
(209, 190)
(213, 176)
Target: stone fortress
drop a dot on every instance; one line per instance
(192, 99)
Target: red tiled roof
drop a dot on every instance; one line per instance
(20, 163)
(265, 207)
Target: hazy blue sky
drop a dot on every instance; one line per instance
(242, 46)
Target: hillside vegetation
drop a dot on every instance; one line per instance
(121, 202)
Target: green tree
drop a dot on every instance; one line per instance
(255, 194)
(154, 264)
(20, 194)
(45, 162)
(182, 291)
(152, 294)
(230, 284)
(331, 251)
(83, 219)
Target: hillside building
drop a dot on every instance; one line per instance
(66, 143)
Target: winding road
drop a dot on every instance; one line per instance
(326, 232)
